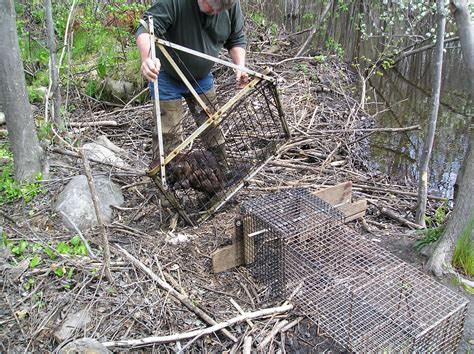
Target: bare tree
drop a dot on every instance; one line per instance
(462, 217)
(24, 143)
(429, 138)
(53, 69)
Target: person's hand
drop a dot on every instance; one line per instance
(150, 69)
(241, 77)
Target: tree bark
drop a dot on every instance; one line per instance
(461, 218)
(428, 145)
(27, 152)
(53, 69)
(463, 214)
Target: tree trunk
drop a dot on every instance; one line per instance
(53, 69)
(461, 218)
(24, 144)
(428, 145)
(463, 213)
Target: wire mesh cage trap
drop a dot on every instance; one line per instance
(362, 296)
(221, 143)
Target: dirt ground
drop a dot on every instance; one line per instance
(324, 150)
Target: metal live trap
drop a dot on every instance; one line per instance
(215, 156)
(362, 296)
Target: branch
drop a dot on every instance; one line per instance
(103, 231)
(308, 40)
(198, 333)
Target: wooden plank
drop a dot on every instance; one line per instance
(336, 195)
(225, 258)
(249, 244)
(233, 255)
(353, 211)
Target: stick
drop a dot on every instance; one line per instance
(237, 306)
(89, 250)
(75, 154)
(272, 334)
(393, 191)
(104, 123)
(177, 295)
(95, 202)
(247, 345)
(401, 220)
(291, 324)
(198, 333)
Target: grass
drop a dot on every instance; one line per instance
(463, 258)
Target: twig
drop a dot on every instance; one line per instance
(392, 215)
(89, 250)
(315, 28)
(104, 123)
(117, 166)
(247, 345)
(357, 186)
(291, 324)
(100, 221)
(8, 217)
(272, 334)
(241, 311)
(184, 299)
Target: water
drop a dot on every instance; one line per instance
(402, 93)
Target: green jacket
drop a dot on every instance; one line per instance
(181, 22)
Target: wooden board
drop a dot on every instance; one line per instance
(336, 195)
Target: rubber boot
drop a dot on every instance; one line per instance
(171, 115)
(212, 138)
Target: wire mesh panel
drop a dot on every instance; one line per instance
(362, 296)
(223, 150)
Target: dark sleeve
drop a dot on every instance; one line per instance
(164, 14)
(237, 36)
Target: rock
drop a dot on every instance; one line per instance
(103, 154)
(2, 118)
(76, 201)
(78, 320)
(120, 89)
(83, 345)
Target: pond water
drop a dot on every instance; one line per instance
(400, 97)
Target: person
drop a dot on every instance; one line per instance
(206, 26)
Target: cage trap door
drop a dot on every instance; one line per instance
(219, 155)
(240, 252)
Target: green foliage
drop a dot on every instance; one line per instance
(431, 235)
(10, 189)
(435, 227)
(463, 257)
(335, 47)
(39, 253)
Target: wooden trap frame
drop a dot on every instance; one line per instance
(250, 127)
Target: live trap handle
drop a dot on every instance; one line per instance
(156, 105)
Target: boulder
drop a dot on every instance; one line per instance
(76, 202)
(2, 118)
